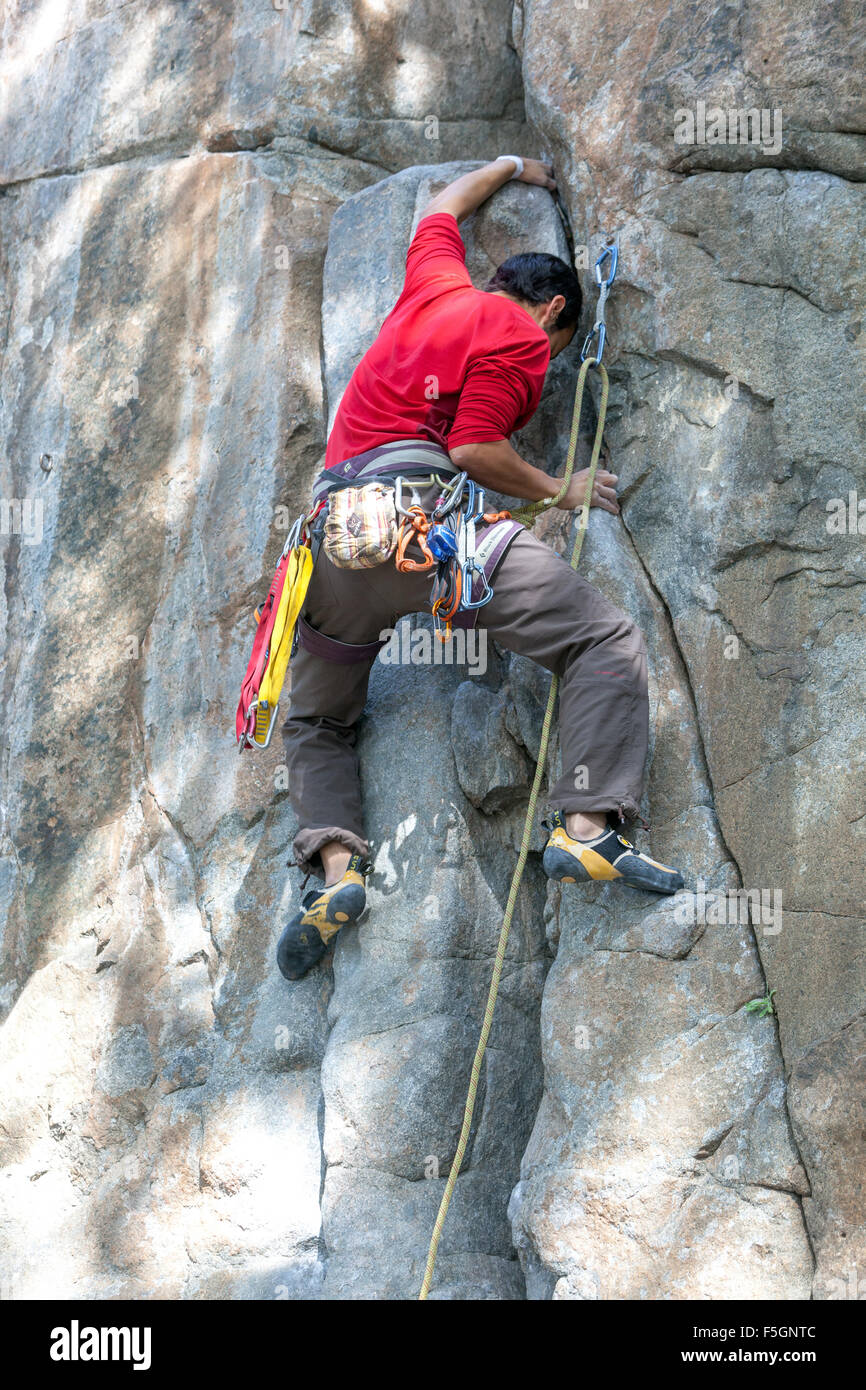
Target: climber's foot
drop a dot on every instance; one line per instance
(325, 910)
(608, 856)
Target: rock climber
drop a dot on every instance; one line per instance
(486, 352)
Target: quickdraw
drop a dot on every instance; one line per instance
(598, 332)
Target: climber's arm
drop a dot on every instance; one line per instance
(497, 466)
(466, 194)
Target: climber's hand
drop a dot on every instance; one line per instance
(534, 171)
(603, 491)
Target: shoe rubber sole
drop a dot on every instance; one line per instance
(307, 937)
(565, 867)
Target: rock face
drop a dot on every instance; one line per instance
(661, 1164)
(740, 301)
(381, 83)
(176, 1121)
(148, 1063)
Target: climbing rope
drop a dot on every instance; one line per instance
(527, 514)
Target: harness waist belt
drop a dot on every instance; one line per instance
(400, 456)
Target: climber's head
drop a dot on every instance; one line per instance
(547, 288)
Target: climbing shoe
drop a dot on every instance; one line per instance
(324, 911)
(608, 856)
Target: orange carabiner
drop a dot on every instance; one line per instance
(414, 524)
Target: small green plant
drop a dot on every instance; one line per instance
(762, 1007)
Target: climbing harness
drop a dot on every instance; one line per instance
(349, 519)
(597, 332)
(275, 637)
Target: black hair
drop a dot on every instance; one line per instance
(536, 277)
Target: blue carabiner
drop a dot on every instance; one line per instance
(597, 330)
(613, 252)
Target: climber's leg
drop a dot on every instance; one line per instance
(328, 691)
(543, 609)
(345, 612)
(319, 734)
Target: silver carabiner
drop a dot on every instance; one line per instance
(293, 538)
(467, 600)
(398, 495)
(454, 496)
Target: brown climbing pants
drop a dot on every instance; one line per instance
(541, 608)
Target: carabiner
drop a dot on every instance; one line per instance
(456, 492)
(293, 539)
(468, 601)
(398, 496)
(611, 250)
(597, 329)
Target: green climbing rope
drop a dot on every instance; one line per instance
(527, 515)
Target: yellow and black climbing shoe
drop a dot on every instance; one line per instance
(609, 856)
(325, 910)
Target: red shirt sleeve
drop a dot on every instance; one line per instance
(436, 249)
(499, 395)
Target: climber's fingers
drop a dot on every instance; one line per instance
(537, 172)
(605, 497)
(606, 479)
(604, 491)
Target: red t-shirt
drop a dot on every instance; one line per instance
(451, 363)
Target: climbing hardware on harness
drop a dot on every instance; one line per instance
(272, 646)
(460, 583)
(517, 876)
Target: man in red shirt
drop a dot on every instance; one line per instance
(453, 373)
